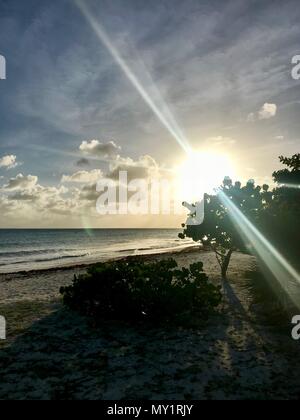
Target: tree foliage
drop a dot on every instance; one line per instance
(219, 230)
(136, 291)
(282, 218)
(276, 213)
(287, 193)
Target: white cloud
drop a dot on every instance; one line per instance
(96, 148)
(37, 193)
(266, 112)
(5, 205)
(220, 141)
(83, 176)
(25, 199)
(142, 168)
(21, 182)
(8, 162)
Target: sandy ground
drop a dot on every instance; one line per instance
(44, 285)
(241, 353)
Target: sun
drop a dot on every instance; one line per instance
(202, 172)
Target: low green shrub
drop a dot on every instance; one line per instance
(136, 290)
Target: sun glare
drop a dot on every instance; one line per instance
(202, 172)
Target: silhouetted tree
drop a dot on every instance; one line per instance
(219, 230)
(287, 194)
(289, 176)
(282, 218)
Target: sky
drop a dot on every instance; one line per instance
(95, 87)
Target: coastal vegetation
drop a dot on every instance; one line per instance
(133, 328)
(276, 213)
(138, 291)
(219, 230)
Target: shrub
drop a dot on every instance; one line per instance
(136, 291)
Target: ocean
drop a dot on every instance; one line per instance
(33, 249)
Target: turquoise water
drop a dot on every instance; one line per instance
(46, 248)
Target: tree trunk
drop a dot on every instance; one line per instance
(226, 263)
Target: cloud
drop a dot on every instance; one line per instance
(96, 148)
(83, 176)
(24, 196)
(88, 192)
(21, 182)
(24, 199)
(8, 162)
(5, 206)
(142, 168)
(220, 141)
(83, 162)
(266, 112)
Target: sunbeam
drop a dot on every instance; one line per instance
(162, 112)
(292, 186)
(285, 274)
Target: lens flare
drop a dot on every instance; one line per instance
(161, 110)
(287, 277)
(293, 186)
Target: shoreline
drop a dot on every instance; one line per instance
(44, 285)
(52, 353)
(145, 256)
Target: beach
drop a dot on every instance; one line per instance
(51, 353)
(41, 249)
(44, 285)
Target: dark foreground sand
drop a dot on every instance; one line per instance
(244, 352)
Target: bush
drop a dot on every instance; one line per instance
(136, 291)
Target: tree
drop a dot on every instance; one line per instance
(289, 176)
(287, 194)
(219, 231)
(282, 218)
